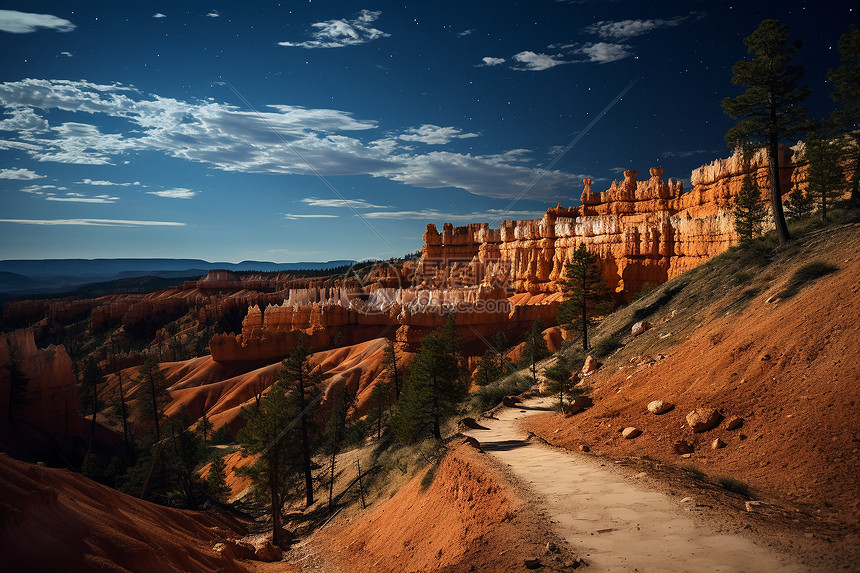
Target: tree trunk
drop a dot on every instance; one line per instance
(437, 431)
(776, 192)
(306, 446)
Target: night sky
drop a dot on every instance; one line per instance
(312, 131)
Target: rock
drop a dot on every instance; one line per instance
(470, 441)
(753, 506)
(584, 448)
(659, 406)
(551, 547)
(265, 551)
(470, 424)
(640, 327)
(631, 432)
(683, 447)
(579, 404)
(717, 444)
(734, 423)
(510, 401)
(703, 419)
(687, 500)
(532, 563)
(591, 365)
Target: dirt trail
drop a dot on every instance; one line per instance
(614, 525)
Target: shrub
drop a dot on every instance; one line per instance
(491, 395)
(734, 485)
(806, 273)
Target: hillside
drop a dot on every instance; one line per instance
(729, 336)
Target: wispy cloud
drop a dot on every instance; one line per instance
(534, 62)
(624, 29)
(16, 22)
(603, 53)
(293, 217)
(175, 193)
(346, 203)
(434, 135)
(691, 153)
(213, 14)
(491, 61)
(465, 33)
(436, 215)
(234, 139)
(102, 183)
(79, 198)
(67, 54)
(19, 174)
(159, 15)
(94, 222)
(341, 33)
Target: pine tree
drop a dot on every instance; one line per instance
(561, 383)
(435, 383)
(488, 369)
(380, 399)
(155, 394)
(825, 175)
(121, 409)
(502, 345)
(846, 92)
(799, 204)
(391, 367)
(272, 433)
(298, 375)
(536, 348)
(749, 211)
(204, 426)
(584, 293)
(343, 402)
(216, 479)
(769, 110)
(93, 377)
(182, 456)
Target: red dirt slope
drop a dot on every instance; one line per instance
(56, 520)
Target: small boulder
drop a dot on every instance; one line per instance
(683, 447)
(631, 432)
(470, 441)
(640, 327)
(717, 444)
(591, 365)
(579, 404)
(265, 551)
(470, 424)
(584, 448)
(659, 406)
(510, 401)
(703, 419)
(734, 423)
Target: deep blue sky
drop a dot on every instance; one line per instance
(229, 131)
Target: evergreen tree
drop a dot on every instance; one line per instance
(846, 92)
(343, 402)
(182, 457)
(93, 377)
(749, 211)
(297, 375)
(584, 293)
(272, 433)
(121, 409)
(488, 368)
(561, 382)
(799, 204)
(17, 386)
(769, 110)
(216, 479)
(825, 175)
(155, 395)
(536, 348)
(204, 426)
(502, 346)
(391, 367)
(435, 383)
(380, 399)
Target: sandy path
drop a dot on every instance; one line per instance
(614, 525)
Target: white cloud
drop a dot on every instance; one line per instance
(490, 61)
(348, 203)
(78, 198)
(67, 54)
(233, 139)
(292, 217)
(159, 15)
(624, 29)
(95, 222)
(25, 22)
(213, 14)
(340, 33)
(102, 183)
(475, 216)
(603, 53)
(536, 62)
(41, 189)
(465, 33)
(19, 174)
(175, 193)
(434, 135)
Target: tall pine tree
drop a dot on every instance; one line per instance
(536, 348)
(584, 293)
(769, 110)
(846, 92)
(749, 211)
